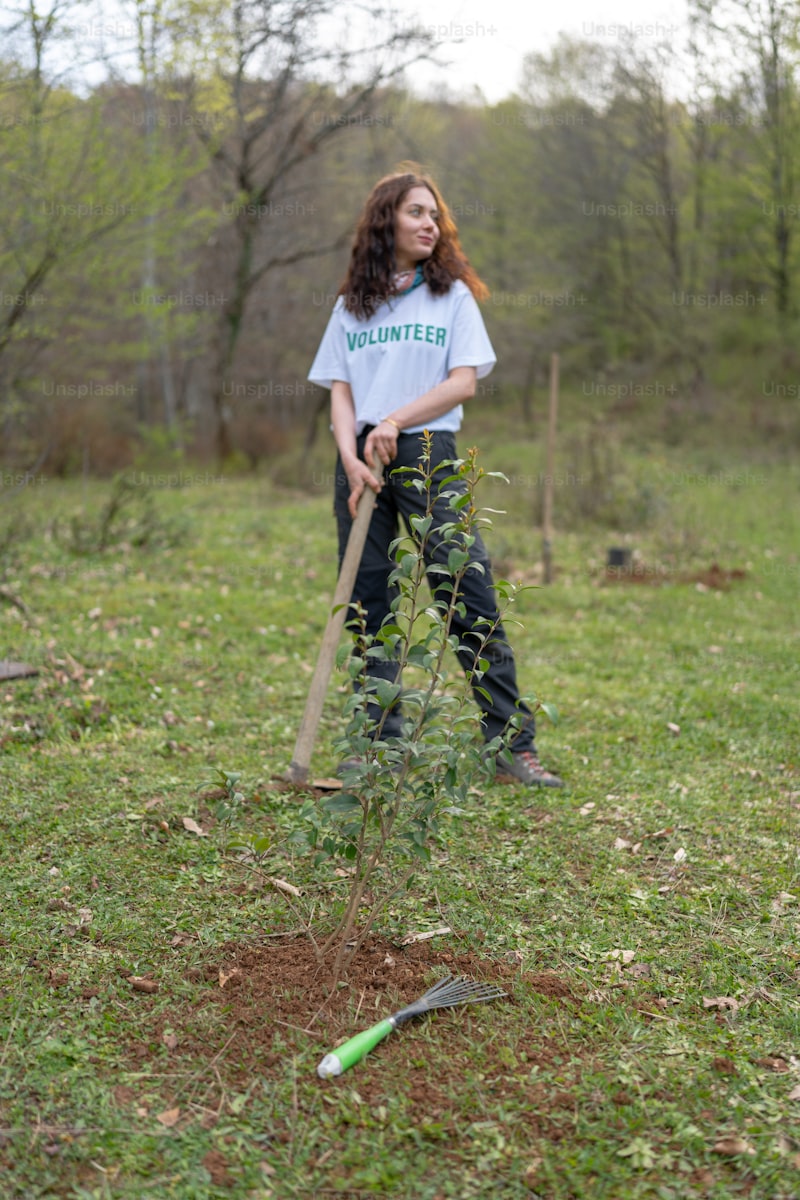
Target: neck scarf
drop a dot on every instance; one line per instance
(415, 283)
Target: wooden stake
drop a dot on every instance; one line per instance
(549, 479)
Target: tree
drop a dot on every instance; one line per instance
(767, 33)
(279, 113)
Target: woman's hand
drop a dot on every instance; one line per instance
(359, 476)
(381, 444)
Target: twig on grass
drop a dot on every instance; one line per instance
(289, 1025)
(16, 601)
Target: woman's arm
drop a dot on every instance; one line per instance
(343, 419)
(460, 385)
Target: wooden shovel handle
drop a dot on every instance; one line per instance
(306, 735)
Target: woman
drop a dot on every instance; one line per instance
(404, 348)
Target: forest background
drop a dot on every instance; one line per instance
(174, 233)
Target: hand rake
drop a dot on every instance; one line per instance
(448, 992)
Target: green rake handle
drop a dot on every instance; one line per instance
(353, 1050)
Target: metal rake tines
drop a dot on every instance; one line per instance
(450, 991)
(456, 989)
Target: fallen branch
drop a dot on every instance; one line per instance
(13, 598)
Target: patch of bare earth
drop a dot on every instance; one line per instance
(257, 1006)
(714, 578)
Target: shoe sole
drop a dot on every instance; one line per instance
(505, 777)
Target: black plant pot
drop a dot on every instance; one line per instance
(619, 557)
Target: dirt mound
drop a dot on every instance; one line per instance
(715, 577)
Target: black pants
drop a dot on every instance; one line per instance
(374, 592)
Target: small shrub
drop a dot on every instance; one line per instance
(128, 517)
(383, 823)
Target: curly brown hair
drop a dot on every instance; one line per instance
(368, 282)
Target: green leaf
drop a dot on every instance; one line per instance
(387, 692)
(457, 559)
(344, 802)
(421, 525)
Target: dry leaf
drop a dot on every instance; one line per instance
(621, 844)
(775, 1064)
(531, 1171)
(169, 1117)
(721, 1002)
(587, 808)
(794, 1094)
(193, 827)
(170, 1040)
(225, 976)
(679, 855)
(142, 985)
(760, 993)
(733, 1145)
(673, 728)
(623, 956)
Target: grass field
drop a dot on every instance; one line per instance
(644, 922)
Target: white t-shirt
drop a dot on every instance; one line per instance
(408, 346)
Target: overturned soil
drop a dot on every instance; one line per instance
(256, 1007)
(258, 988)
(715, 577)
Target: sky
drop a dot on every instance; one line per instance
(497, 34)
(485, 41)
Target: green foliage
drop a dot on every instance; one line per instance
(229, 803)
(129, 516)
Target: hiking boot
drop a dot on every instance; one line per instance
(526, 768)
